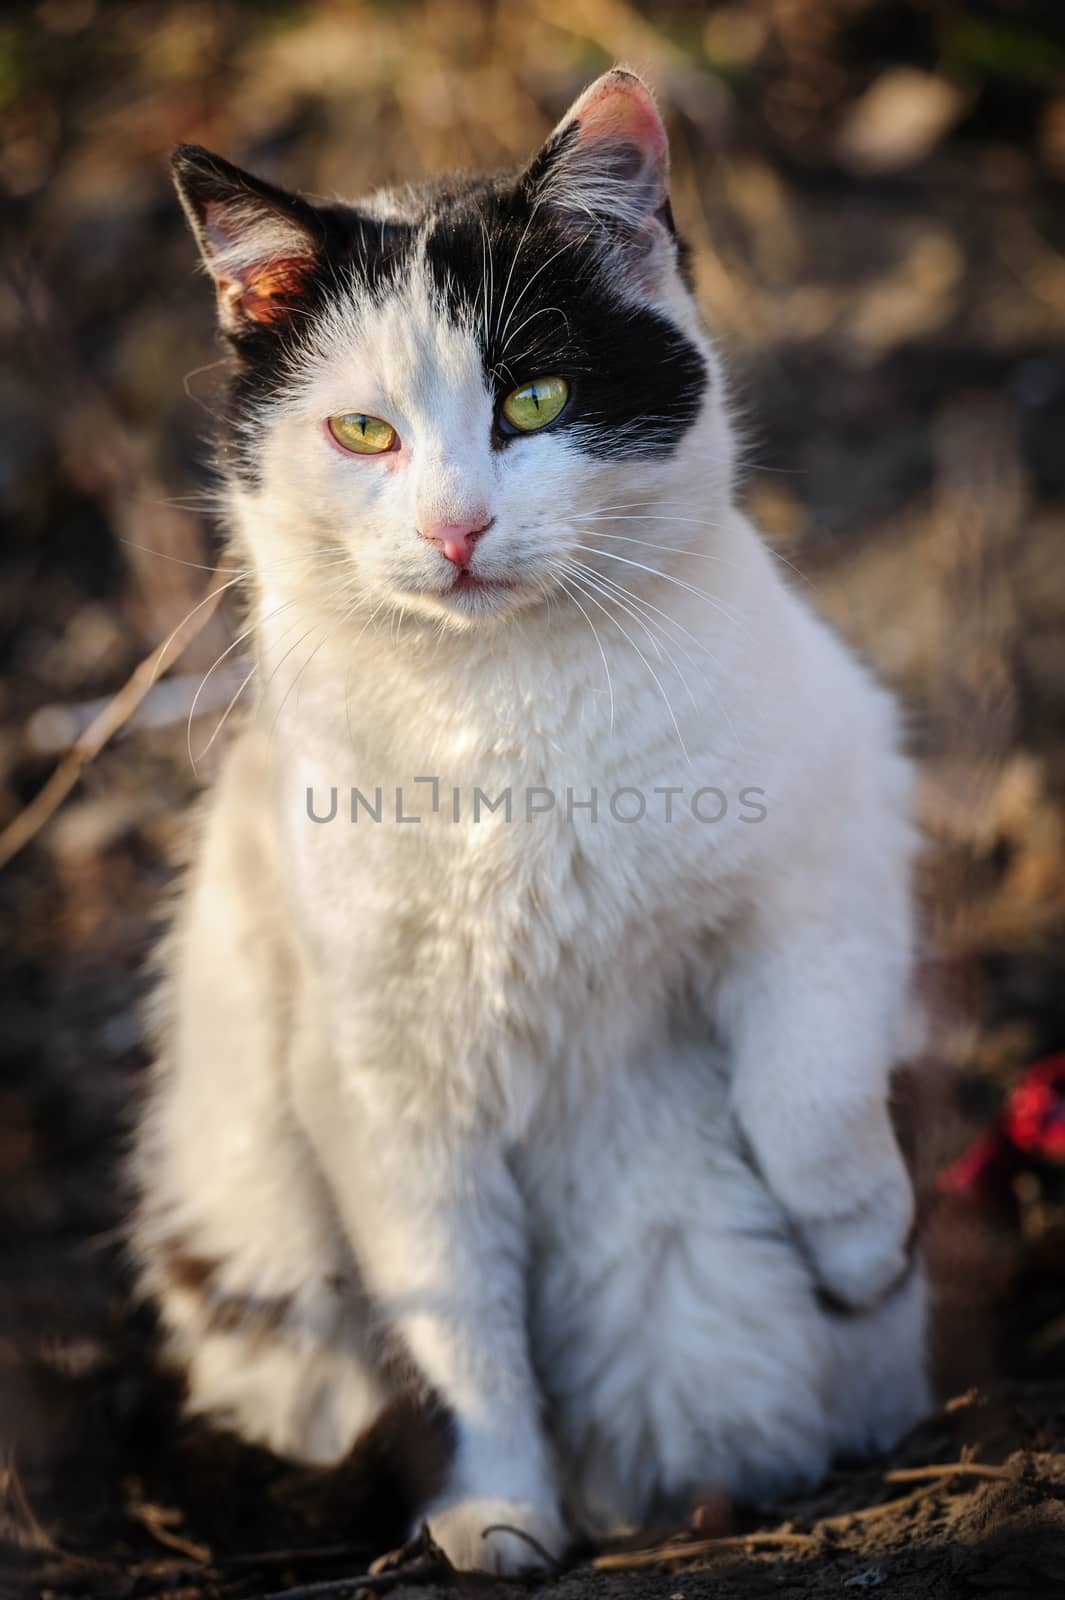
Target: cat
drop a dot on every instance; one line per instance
(526, 1021)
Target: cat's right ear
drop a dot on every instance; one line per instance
(261, 245)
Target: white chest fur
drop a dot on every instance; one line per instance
(517, 876)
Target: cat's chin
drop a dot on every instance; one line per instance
(471, 600)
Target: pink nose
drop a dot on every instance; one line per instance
(456, 539)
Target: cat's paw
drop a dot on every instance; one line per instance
(499, 1536)
(858, 1257)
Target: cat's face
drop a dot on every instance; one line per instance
(444, 396)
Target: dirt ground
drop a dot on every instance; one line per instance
(874, 191)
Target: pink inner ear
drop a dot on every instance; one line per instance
(617, 108)
(269, 289)
(262, 262)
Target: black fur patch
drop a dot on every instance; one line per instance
(636, 382)
(268, 356)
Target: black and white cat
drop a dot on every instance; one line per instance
(562, 1070)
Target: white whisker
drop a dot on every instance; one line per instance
(528, 285)
(284, 698)
(486, 298)
(668, 577)
(208, 598)
(666, 549)
(225, 714)
(510, 274)
(658, 639)
(542, 311)
(639, 600)
(658, 682)
(610, 514)
(217, 662)
(595, 636)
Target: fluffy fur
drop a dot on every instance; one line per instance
(579, 1124)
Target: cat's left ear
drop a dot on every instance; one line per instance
(607, 163)
(260, 244)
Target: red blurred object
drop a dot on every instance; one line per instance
(1027, 1135)
(1035, 1110)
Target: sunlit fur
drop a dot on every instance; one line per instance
(579, 1124)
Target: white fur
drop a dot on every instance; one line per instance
(577, 1110)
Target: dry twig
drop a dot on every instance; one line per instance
(620, 1560)
(946, 1469)
(520, 1533)
(115, 714)
(156, 1519)
(929, 1478)
(374, 1582)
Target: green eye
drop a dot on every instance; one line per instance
(366, 436)
(535, 404)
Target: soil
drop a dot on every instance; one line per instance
(896, 324)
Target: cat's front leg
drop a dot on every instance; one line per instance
(813, 1003)
(438, 1228)
(443, 1244)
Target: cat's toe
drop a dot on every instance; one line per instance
(859, 1258)
(499, 1536)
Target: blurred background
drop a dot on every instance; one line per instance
(875, 193)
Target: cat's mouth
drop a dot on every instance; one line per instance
(469, 596)
(468, 592)
(466, 581)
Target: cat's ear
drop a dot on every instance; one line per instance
(260, 245)
(607, 163)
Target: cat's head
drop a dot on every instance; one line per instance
(443, 396)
